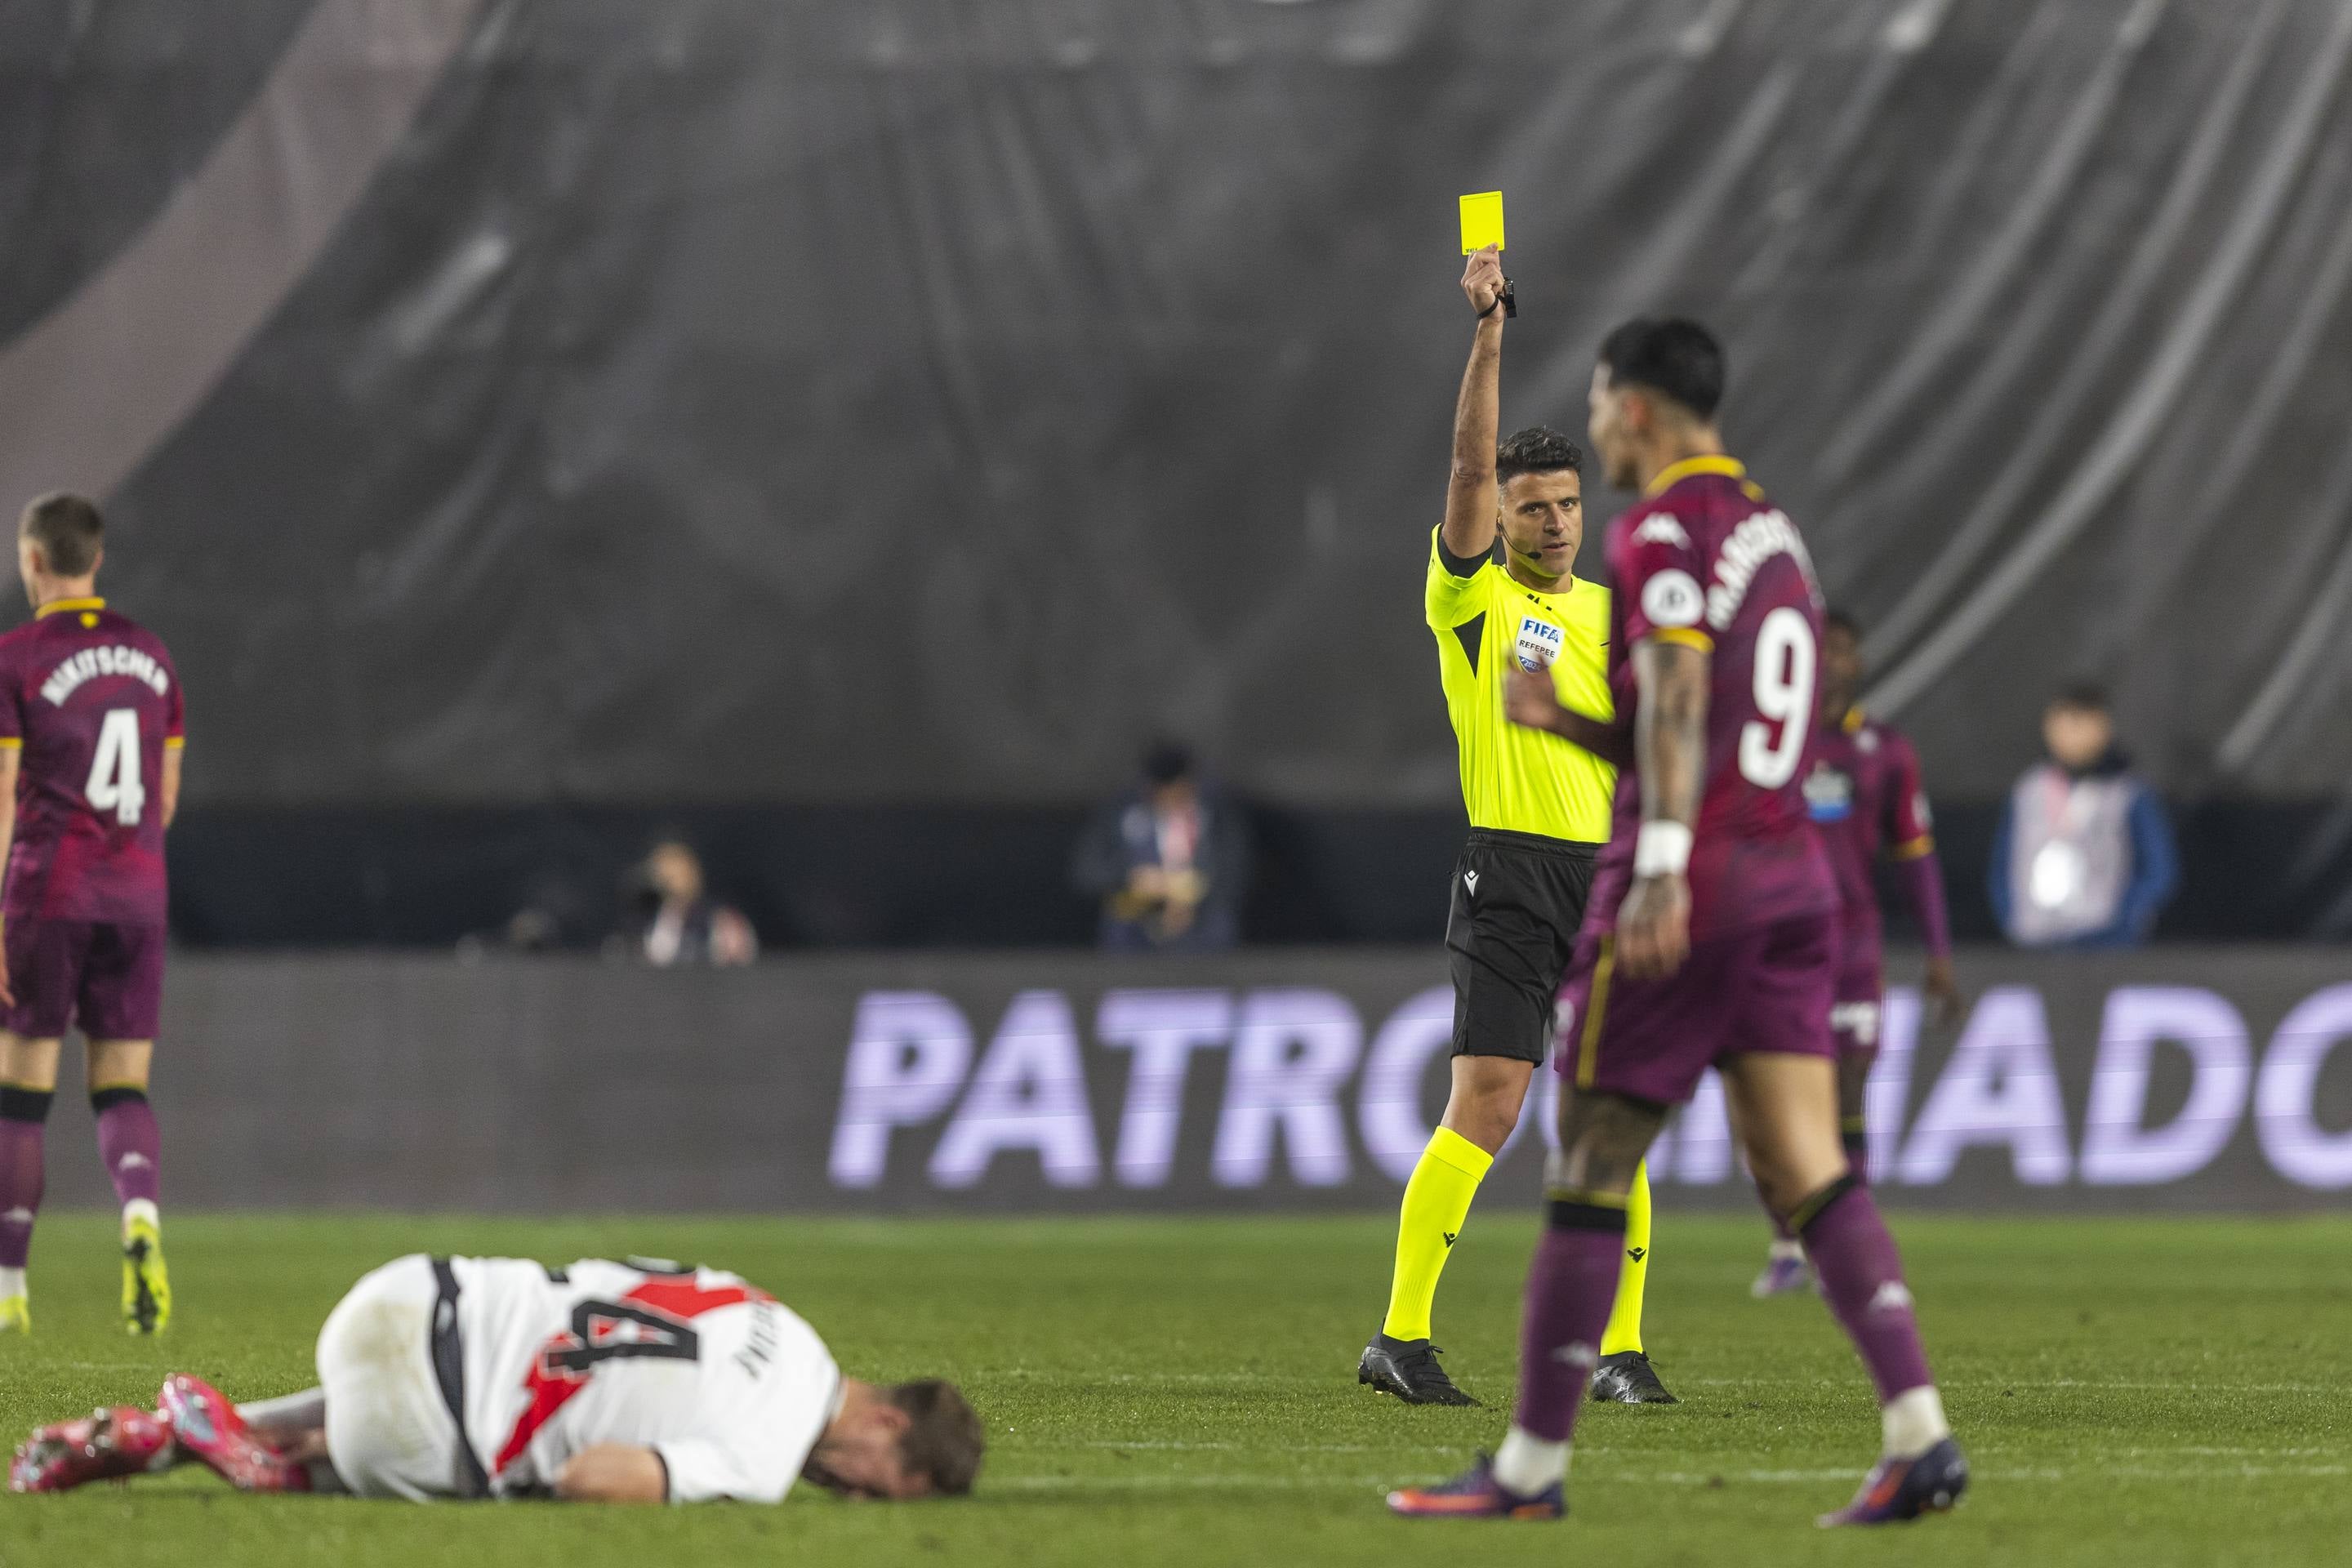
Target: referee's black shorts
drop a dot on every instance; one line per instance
(1518, 899)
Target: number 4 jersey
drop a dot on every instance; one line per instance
(1706, 560)
(90, 701)
(729, 1387)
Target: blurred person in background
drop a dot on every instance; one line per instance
(672, 920)
(562, 911)
(2085, 855)
(1168, 861)
(1863, 792)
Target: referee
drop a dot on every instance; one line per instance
(1502, 597)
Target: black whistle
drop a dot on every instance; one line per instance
(1510, 303)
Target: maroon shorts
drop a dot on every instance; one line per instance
(1854, 1008)
(1763, 989)
(108, 978)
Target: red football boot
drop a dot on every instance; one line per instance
(1476, 1494)
(210, 1431)
(106, 1445)
(1900, 1490)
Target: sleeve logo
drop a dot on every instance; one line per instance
(1671, 598)
(1660, 528)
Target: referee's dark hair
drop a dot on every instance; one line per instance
(1835, 619)
(1536, 449)
(1676, 356)
(68, 530)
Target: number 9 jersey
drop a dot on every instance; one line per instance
(1706, 560)
(89, 700)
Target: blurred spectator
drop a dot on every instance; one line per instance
(1169, 861)
(673, 921)
(2085, 855)
(558, 914)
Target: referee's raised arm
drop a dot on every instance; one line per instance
(1471, 499)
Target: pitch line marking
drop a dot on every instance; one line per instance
(1182, 1446)
(1651, 1478)
(1973, 1388)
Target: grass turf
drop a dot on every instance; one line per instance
(1182, 1391)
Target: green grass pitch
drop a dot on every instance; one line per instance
(2138, 1392)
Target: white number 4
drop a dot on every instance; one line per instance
(114, 783)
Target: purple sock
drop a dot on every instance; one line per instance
(128, 1142)
(1570, 1287)
(20, 1187)
(1862, 1275)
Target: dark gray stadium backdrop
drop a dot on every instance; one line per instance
(734, 399)
(2197, 1079)
(509, 405)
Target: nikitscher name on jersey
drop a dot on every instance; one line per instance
(111, 659)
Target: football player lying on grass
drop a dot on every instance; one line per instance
(495, 1377)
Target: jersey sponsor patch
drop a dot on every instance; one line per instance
(1671, 598)
(1829, 793)
(1540, 642)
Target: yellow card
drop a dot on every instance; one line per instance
(1482, 221)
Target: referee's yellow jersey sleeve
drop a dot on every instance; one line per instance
(1525, 781)
(1451, 600)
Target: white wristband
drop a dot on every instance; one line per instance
(1662, 849)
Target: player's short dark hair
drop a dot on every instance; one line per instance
(2081, 697)
(1536, 449)
(1165, 762)
(1676, 356)
(1837, 620)
(68, 530)
(943, 1439)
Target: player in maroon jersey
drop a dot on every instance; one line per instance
(1862, 788)
(89, 777)
(1711, 939)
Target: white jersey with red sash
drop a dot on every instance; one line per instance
(732, 1388)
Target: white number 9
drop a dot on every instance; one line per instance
(1784, 695)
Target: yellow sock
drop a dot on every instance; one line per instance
(1437, 1202)
(1624, 1331)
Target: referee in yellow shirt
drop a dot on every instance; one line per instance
(1539, 797)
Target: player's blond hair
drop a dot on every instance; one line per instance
(68, 529)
